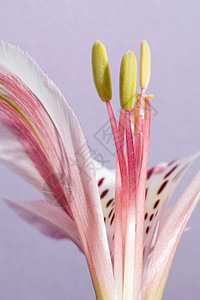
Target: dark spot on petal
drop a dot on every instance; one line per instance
(171, 162)
(144, 250)
(170, 172)
(100, 181)
(162, 187)
(112, 219)
(145, 216)
(156, 204)
(156, 213)
(104, 193)
(109, 202)
(149, 173)
(104, 220)
(110, 213)
(151, 217)
(146, 192)
(147, 230)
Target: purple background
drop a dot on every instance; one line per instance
(59, 35)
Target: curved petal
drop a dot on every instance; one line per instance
(24, 117)
(13, 156)
(49, 220)
(156, 176)
(162, 256)
(106, 185)
(35, 111)
(162, 180)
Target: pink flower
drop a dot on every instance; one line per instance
(117, 219)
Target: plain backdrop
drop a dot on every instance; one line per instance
(59, 35)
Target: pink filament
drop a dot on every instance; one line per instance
(141, 203)
(118, 144)
(130, 195)
(139, 136)
(130, 159)
(118, 231)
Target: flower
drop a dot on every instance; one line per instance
(118, 219)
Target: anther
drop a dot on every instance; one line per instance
(101, 72)
(145, 65)
(128, 76)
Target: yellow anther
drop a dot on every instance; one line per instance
(101, 72)
(149, 97)
(128, 77)
(145, 64)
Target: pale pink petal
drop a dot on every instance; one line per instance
(38, 115)
(49, 220)
(106, 181)
(159, 225)
(162, 180)
(106, 184)
(159, 265)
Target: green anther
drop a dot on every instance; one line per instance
(101, 72)
(127, 83)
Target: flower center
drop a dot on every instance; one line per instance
(131, 166)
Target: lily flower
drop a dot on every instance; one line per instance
(117, 218)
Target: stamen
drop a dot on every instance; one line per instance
(148, 97)
(120, 218)
(131, 215)
(145, 65)
(139, 136)
(145, 72)
(101, 72)
(131, 171)
(141, 203)
(128, 74)
(118, 144)
(130, 158)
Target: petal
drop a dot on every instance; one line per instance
(38, 115)
(106, 185)
(22, 115)
(162, 180)
(49, 220)
(159, 265)
(13, 156)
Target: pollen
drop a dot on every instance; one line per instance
(101, 72)
(145, 65)
(128, 77)
(149, 97)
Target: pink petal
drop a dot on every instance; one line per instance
(38, 115)
(23, 115)
(159, 265)
(13, 156)
(49, 220)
